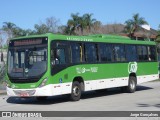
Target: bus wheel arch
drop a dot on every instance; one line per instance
(81, 81)
(77, 88)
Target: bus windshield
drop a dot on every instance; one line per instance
(27, 61)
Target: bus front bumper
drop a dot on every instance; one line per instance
(44, 91)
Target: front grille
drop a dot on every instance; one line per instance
(24, 80)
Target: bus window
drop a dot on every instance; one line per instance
(105, 52)
(152, 53)
(91, 52)
(131, 53)
(58, 56)
(119, 53)
(76, 53)
(142, 53)
(61, 56)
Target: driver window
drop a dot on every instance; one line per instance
(58, 56)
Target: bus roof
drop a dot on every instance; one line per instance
(91, 38)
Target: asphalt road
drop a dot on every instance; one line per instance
(146, 98)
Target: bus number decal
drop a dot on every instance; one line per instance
(132, 67)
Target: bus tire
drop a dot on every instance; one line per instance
(76, 91)
(131, 88)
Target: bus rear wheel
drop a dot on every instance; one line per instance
(131, 88)
(76, 91)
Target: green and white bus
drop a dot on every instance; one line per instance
(49, 64)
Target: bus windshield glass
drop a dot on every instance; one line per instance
(27, 58)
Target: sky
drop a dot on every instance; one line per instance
(26, 13)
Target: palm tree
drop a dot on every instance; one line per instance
(75, 23)
(97, 25)
(133, 24)
(88, 21)
(79, 23)
(9, 28)
(70, 26)
(8, 25)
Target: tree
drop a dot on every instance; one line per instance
(158, 36)
(88, 21)
(159, 30)
(52, 23)
(41, 28)
(133, 24)
(1, 46)
(9, 28)
(49, 26)
(97, 26)
(75, 23)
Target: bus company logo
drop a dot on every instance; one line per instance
(132, 67)
(84, 70)
(80, 70)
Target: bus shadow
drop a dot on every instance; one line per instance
(111, 91)
(65, 98)
(34, 101)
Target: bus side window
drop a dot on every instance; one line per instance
(58, 56)
(119, 53)
(131, 53)
(91, 52)
(142, 53)
(61, 56)
(106, 52)
(152, 53)
(76, 53)
(81, 53)
(52, 57)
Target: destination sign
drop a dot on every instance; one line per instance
(28, 42)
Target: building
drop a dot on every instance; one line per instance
(144, 32)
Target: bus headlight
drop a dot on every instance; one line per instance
(43, 82)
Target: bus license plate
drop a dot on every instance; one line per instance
(24, 94)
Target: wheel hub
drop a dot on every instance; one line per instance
(132, 84)
(76, 91)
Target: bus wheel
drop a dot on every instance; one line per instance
(131, 88)
(76, 91)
